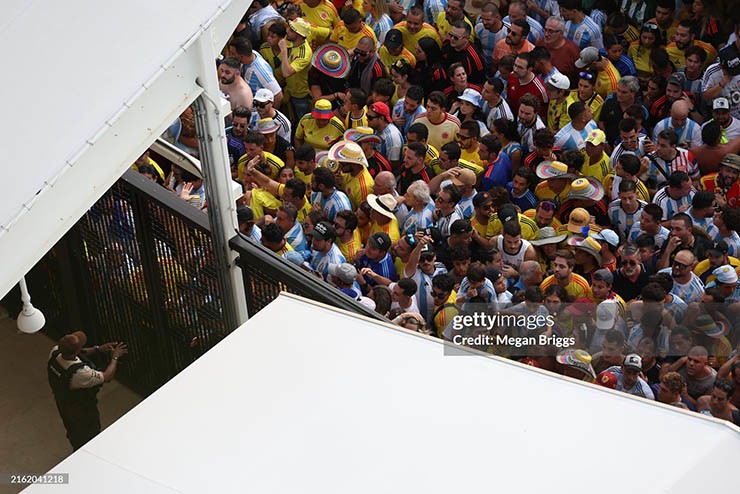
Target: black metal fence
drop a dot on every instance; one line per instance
(138, 268)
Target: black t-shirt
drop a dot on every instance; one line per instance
(408, 177)
(328, 85)
(627, 289)
(700, 247)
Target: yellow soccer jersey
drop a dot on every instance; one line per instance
(300, 60)
(320, 138)
(341, 35)
(357, 188)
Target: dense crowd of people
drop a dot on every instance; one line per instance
(571, 161)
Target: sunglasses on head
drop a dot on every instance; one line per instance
(586, 75)
(547, 205)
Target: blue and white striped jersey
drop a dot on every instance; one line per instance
(692, 291)
(669, 205)
(536, 31)
(279, 118)
(733, 241)
(391, 143)
(259, 74)
(688, 136)
(331, 205)
(320, 262)
(570, 138)
(526, 135)
(660, 237)
(502, 110)
(621, 220)
(488, 39)
(418, 220)
(432, 9)
(584, 34)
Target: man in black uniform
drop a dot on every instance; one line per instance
(75, 383)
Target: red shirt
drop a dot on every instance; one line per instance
(515, 91)
(564, 59)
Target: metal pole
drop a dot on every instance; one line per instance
(214, 159)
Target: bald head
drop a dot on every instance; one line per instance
(679, 113)
(385, 182)
(366, 43)
(529, 270)
(686, 257)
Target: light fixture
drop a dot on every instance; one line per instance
(30, 320)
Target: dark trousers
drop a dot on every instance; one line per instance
(81, 419)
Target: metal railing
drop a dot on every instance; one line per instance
(138, 268)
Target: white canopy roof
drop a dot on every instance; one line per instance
(87, 88)
(304, 398)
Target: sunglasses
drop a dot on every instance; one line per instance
(360, 53)
(436, 294)
(547, 205)
(257, 104)
(455, 37)
(650, 27)
(426, 258)
(586, 75)
(372, 117)
(680, 265)
(631, 263)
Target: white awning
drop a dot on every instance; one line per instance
(305, 398)
(87, 87)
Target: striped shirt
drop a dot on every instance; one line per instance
(488, 39)
(320, 262)
(733, 241)
(331, 205)
(432, 8)
(487, 292)
(380, 26)
(691, 291)
(611, 186)
(501, 110)
(283, 131)
(660, 237)
(669, 205)
(621, 220)
(423, 296)
(549, 6)
(570, 138)
(258, 74)
(297, 240)
(526, 135)
(418, 220)
(713, 76)
(704, 223)
(536, 32)
(619, 150)
(391, 142)
(641, 388)
(688, 136)
(398, 111)
(683, 161)
(584, 34)
(577, 288)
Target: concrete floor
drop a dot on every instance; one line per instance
(32, 437)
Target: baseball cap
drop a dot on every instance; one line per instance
(731, 160)
(725, 274)
(559, 81)
(380, 240)
(263, 95)
(324, 231)
(345, 272)
(589, 55)
(244, 214)
(381, 109)
(603, 275)
(464, 177)
(607, 379)
(596, 137)
(606, 314)
(721, 104)
(633, 361)
(461, 226)
(608, 236)
(677, 79)
(481, 198)
(507, 212)
(718, 248)
(393, 39)
(578, 219)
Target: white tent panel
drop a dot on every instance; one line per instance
(303, 398)
(89, 86)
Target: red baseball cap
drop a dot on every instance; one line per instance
(607, 379)
(381, 109)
